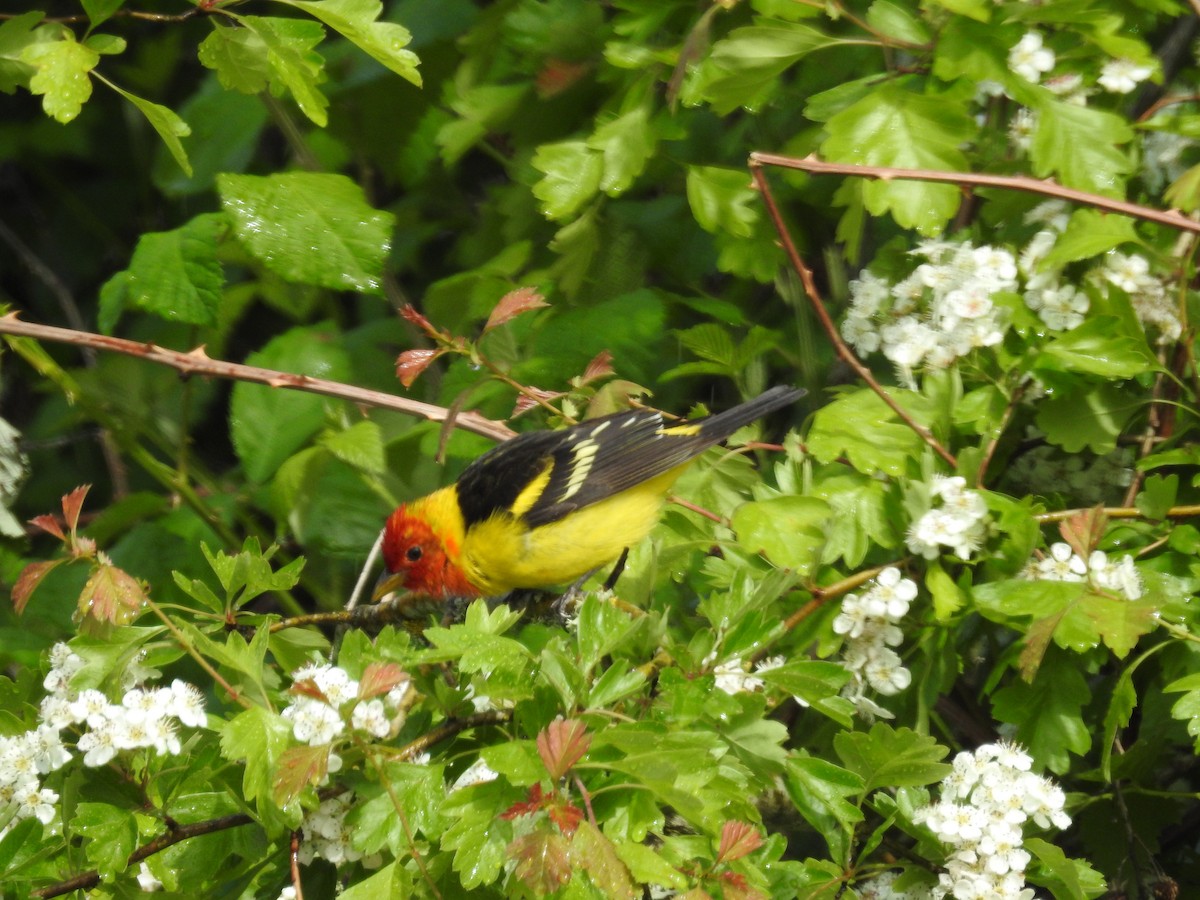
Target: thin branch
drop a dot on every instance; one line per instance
(1119, 512)
(810, 288)
(88, 880)
(1047, 188)
(197, 362)
(451, 728)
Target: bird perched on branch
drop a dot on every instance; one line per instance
(548, 507)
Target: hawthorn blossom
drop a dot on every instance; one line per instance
(1120, 76)
(1029, 58)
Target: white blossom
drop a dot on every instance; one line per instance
(1120, 76)
(1029, 58)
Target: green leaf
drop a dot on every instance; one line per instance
(819, 790)
(310, 227)
(256, 738)
(892, 126)
(861, 427)
(16, 34)
(99, 11)
(1089, 233)
(111, 832)
(626, 144)
(1099, 347)
(947, 598)
(360, 445)
(1064, 878)
(479, 841)
(888, 757)
(722, 200)
(392, 881)
(165, 121)
(1049, 712)
(895, 21)
(267, 424)
(174, 274)
(356, 20)
(1081, 145)
(62, 75)
(743, 69)
(1187, 707)
(270, 52)
(790, 531)
(1092, 416)
(810, 680)
(573, 171)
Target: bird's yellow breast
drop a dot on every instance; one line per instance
(500, 553)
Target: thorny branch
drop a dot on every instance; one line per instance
(197, 362)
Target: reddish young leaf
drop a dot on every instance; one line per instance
(533, 397)
(542, 861)
(111, 595)
(512, 304)
(379, 678)
(72, 503)
(411, 363)
(49, 524)
(527, 807)
(557, 75)
(299, 767)
(29, 579)
(1083, 530)
(561, 745)
(567, 817)
(410, 314)
(735, 887)
(738, 839)
(599, 367)
(306, 687)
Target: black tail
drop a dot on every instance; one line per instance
(722, 425)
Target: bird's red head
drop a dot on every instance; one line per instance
(418, 560)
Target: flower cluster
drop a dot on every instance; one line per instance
(326, 698)
(940, 312)
(1064, 564)
(869, 623)
(959, 522)
(1147, 293)
(146, 718)
(985, 801)
(327, 836)
(732, 676)
(883, 887)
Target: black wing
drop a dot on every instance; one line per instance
(543, 476)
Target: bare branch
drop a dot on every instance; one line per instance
(1172, 218)
(197, 362)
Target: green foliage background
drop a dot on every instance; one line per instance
(275, 181)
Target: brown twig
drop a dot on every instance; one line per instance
(1118, 512)
(757, 160)
(88, 880)
(1047, 188)
(197, 362)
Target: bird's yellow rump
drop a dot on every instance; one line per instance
(548, 507)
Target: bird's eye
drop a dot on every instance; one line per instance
(414, 553)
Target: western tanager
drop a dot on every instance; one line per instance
(548, 507)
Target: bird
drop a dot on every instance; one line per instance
(549, 507)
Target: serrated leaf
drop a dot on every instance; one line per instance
(176, 274)
(357, 21)
(111, 833)
(860, 426)
(1065, 878)
(29, 580)
(272, 52)
(1091, 416)
(811, 680)
(542, 860)
(595, 854)
(1089, 233)
(298, 768)
(1081, 145)
(513, 304)
(360, 445)
(572, 173)
(62, 76)
(891, 757)
(16, 34)
(820, 789)
(310, 227)
(270, 424)
(722, 200)
(257, 738)
(790, 531)
(1099, 347)
(892, 126)
(169, 125)
(626, 144)
(1049, 712)
(111, 595)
